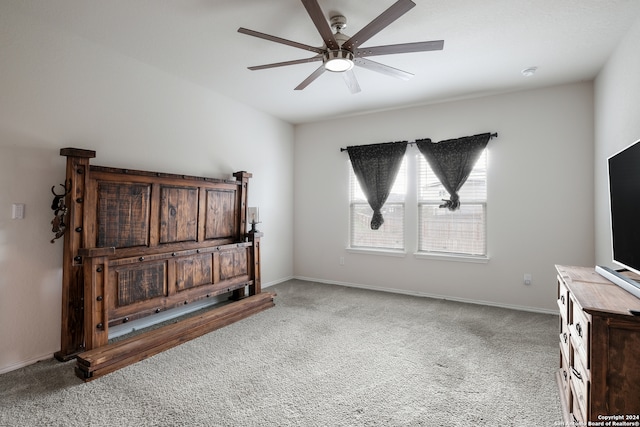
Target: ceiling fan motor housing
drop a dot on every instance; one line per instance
(338, 61)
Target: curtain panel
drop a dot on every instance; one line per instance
(452, 161)
(376, 167)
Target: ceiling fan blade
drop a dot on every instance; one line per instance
(394, 12)
(319, 20)
(282, 64)
(351, 81)
(279, 40)
(381, 68)
(311, 78)
(400, 48)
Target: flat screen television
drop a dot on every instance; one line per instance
(624, 204)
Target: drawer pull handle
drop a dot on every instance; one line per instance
(579, 329)
(576, 374)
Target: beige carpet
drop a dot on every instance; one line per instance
(324, 356)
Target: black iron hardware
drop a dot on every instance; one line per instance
(60, 211)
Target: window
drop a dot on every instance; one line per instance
(462, 231)
(440, 231)
(391, 234)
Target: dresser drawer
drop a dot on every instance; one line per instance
(565, 374)
(564, 343)
(580, 382)
(578, 418)
(579, 331)
(563, 300)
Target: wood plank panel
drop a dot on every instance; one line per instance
(178, 214)
(220, 214)
(193, 271)
(233, 263)
(240, 263)
(623, 368)
(141, 283)
(123, 214)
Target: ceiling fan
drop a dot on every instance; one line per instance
(341, 53)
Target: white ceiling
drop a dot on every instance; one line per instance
(487, 44)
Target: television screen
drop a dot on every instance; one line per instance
(624, 192)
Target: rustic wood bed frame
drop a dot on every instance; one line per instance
(138, 243)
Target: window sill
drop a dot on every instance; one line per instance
(452, 257)
(382, 252)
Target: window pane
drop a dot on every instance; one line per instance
(389, 236)
(454, 232)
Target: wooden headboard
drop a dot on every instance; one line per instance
(139, 243)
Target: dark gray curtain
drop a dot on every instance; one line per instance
(376, 167)
(452, 161)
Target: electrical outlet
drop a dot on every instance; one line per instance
(341, 260)
(527, 278)
(17, 211)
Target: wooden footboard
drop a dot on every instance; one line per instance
(138, 243)
(100, 361)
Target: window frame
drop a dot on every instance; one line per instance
(423, 176)
(412, 205)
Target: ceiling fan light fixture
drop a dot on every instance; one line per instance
(338, 61)
(340, 53)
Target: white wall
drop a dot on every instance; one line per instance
(540, 196)
(617, 124)
(57, 90)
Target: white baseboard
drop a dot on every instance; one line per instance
(275, 282)
(23, 363)
(428, 295)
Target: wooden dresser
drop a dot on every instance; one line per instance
(599, 375)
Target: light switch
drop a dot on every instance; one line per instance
(17, 211)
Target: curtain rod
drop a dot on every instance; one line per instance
(493, 135)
